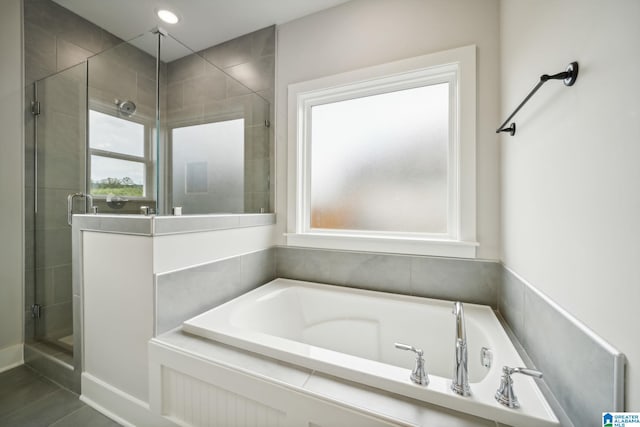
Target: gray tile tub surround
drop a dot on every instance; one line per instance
(470, 281)
(185, 293)
(585, 373)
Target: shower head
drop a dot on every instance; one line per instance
(126, 108)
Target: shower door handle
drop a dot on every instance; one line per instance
(70, 199)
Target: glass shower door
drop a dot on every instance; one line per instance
(60, 165)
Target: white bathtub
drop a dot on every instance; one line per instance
(350, 333)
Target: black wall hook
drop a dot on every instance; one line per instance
(568, 76)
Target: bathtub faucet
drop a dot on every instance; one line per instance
(460, 383)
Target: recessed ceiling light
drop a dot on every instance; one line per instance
(167, 16)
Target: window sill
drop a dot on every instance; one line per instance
(444, 248)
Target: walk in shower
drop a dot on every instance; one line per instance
(144, 126)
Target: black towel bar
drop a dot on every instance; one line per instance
(569, 77)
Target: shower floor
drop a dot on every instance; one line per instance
(67, 341)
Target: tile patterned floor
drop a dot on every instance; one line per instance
(27, 399)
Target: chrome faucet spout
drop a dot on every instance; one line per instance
(461, 330)
(460, 382)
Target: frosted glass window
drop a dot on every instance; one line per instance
(109, 133)
(380, 162)
(208, 167)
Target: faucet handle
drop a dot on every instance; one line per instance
(419, 374)
(525, 371)
(408, 347)
(505, 394)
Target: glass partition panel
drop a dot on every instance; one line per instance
(217, 153)
(122, 120)
(60, 171)
(158, 128)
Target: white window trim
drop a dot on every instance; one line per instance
(461, 241)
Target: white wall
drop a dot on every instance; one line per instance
(571, 174)
(363, 33)
(11, 184)
(177, 251)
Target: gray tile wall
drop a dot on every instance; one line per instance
(432, 277)
(585, 374)
(228, 81)
(185, 293)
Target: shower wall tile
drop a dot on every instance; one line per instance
(257, 146)
(263, 42)
(257, 75)
(65, 24)
(64, 93)
(29, 288)
(175, 96)
(255, 176)
(110, 75)
(29, 325)
(53, 247)
(235, 88)
(188, 114)
(185, 68)
(69, 54)
(57, 320)
(146, 93)
(44, 286)
(59, 177)
(230, 53)
(141, 62)
(207, 87)
(183, 294)
(54, 38)
(62, 287)
(260, 110)
(52, 207)
(39, 50)
(82, 33)
(258, 202)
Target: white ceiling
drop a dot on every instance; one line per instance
(203, 23)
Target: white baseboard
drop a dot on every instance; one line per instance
(12, 356)
(118, 405)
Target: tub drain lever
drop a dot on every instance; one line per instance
(418, 375)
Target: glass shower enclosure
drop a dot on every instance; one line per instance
(150, 124)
